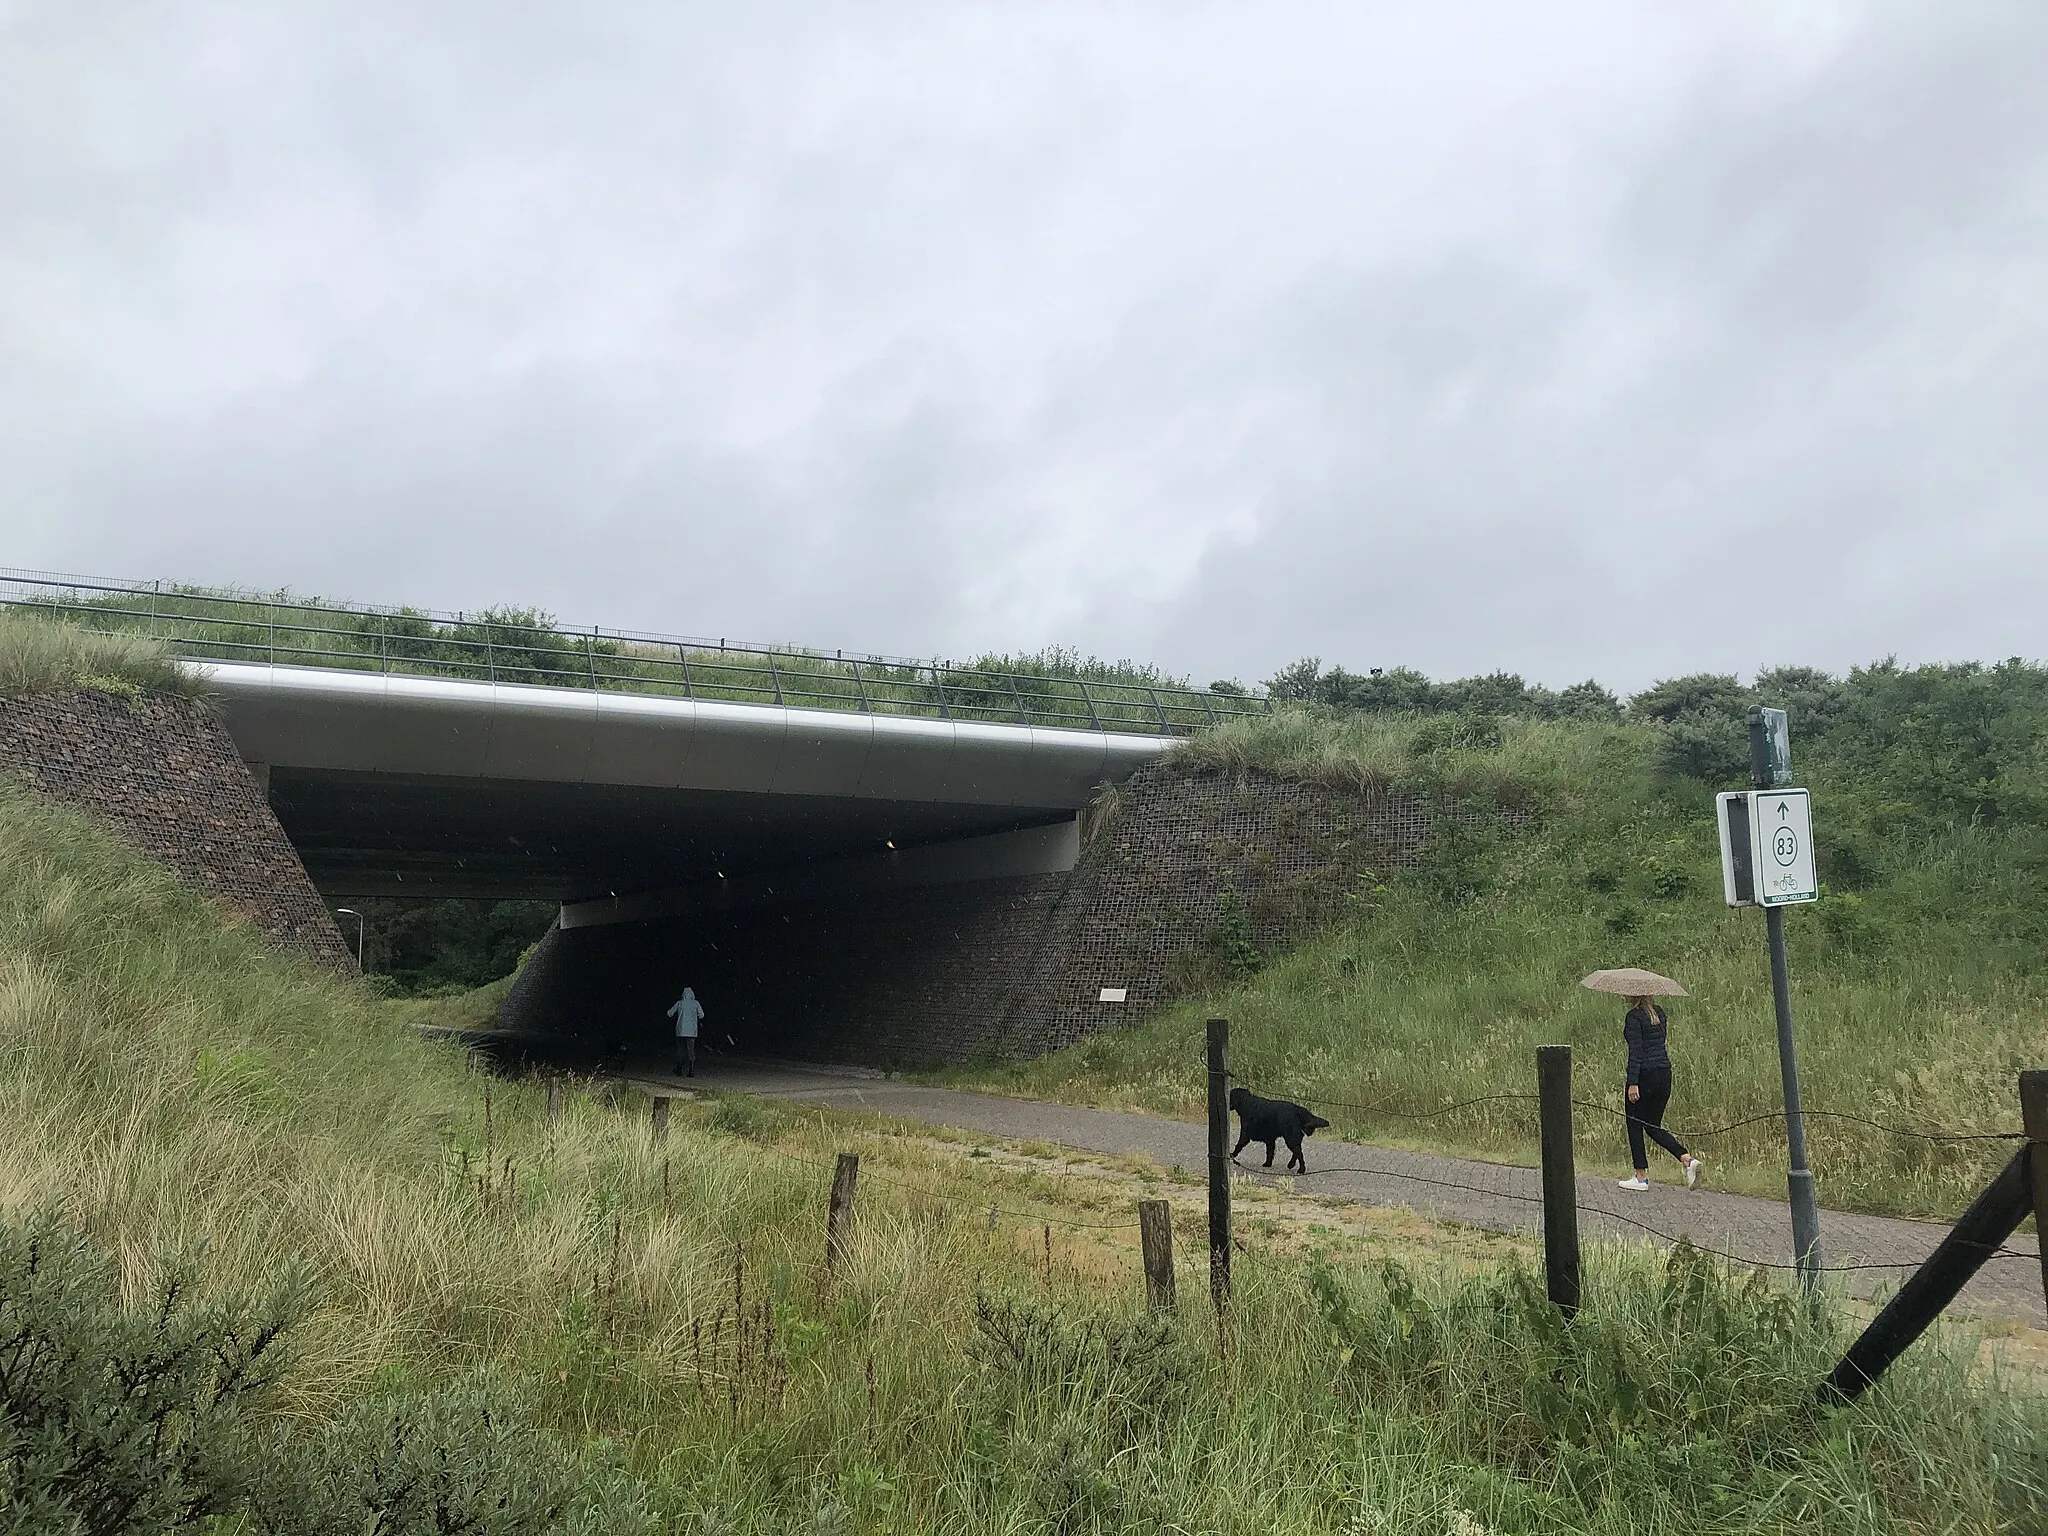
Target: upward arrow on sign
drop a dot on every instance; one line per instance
(1784, 810)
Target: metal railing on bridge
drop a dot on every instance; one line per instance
(523, 647)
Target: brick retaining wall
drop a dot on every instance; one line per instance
(164, 774)
(996, 968)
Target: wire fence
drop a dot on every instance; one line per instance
(525, 648)
(1447, 1177)
(1471, 1187)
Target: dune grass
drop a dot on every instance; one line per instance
(1917, 1000)
(42, 655)
(661, 1310)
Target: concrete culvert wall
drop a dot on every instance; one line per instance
(1178, 875)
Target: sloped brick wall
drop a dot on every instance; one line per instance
(997, 968)
(164, 774)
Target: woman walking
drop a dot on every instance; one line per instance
(1649, 1090)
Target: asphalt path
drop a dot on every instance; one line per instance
(1867, 1255)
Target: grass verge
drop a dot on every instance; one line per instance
(654, 1318)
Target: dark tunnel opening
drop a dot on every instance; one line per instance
(885, 979)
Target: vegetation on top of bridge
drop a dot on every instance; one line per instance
(37, 656)
(1055, 687)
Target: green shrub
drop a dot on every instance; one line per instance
(117, 1420)
(137, 1421)
(1710, 749)
(1235, 943)
(459, 1460)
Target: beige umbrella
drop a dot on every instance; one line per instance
(1631, 982)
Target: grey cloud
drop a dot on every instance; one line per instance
(1630, 344)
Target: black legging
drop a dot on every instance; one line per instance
(1647, 1114)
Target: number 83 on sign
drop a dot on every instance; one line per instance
(1767, 848)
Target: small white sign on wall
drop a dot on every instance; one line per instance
(1113, 994)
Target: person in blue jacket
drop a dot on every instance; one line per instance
(688, 1014)
(1649, 1090)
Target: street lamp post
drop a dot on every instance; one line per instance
(352, 912)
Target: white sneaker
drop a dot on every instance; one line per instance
(1692, 1173)
(1634, 1183)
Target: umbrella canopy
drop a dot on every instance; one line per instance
(1631, 982)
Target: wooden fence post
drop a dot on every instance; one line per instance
(658, 1118)
(1155, 1230)
(1988, 1222)
(839, 1215)
(1560, 1183)
(2034, 1120)
(554, 1099)
(1219, 1165)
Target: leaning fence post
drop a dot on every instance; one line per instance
(1977, 1234)
(1560, 1183)
(839, 1215)
(2034, 1121)
(1219, 1165)
(1155, 1231)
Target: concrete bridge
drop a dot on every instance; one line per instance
(852, 857)
(625, 805)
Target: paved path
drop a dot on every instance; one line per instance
(1492, 1195)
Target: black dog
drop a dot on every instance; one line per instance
(1271, 1120)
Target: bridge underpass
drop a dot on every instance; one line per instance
(834, 884)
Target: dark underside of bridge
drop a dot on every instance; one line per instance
(787, 970)
(363, 834)
(889, 978)
(821, 943)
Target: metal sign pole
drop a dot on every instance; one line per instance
(1799, 1180)
(1771, 769)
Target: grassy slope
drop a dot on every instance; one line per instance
(169, 1083)
(37, 656)
(1917, 1001)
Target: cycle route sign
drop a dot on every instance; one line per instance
(1781, 843)
(1767, 847)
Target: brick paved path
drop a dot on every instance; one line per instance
(1491, 1195)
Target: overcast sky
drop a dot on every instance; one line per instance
(1577, 338)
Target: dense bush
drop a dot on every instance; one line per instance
(117, 1420)
(457, 1461)
(137, 1421)
(1402, 690)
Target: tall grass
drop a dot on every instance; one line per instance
(1917, 1001)
(662, 1309)
(39, 655)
